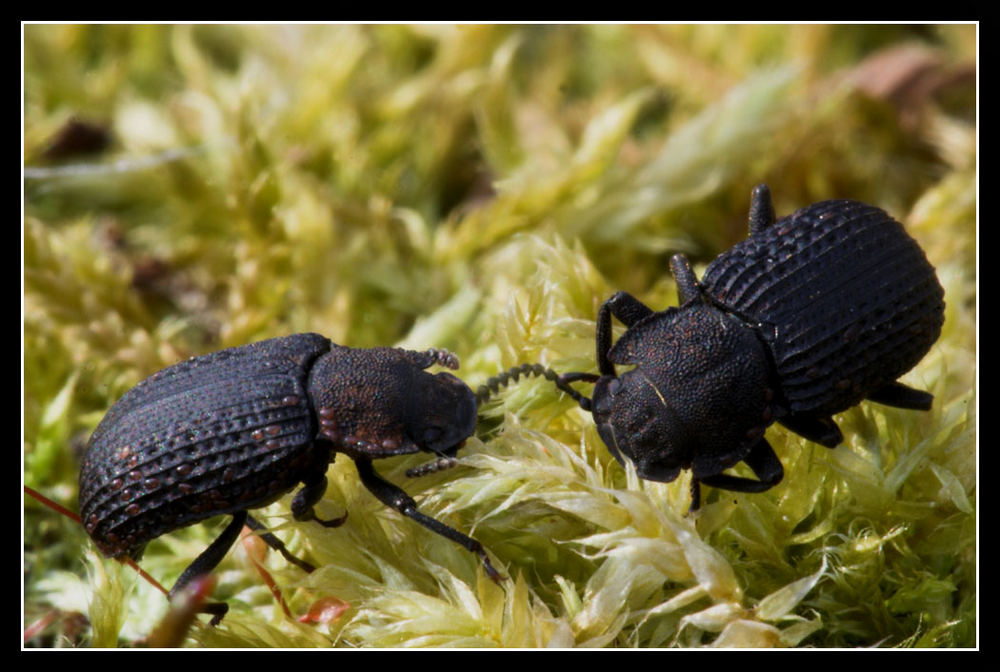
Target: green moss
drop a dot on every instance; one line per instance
(484, 189)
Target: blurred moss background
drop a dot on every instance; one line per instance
(484, 189)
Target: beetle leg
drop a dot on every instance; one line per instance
(209, 560)
(562, 382)
(277, 544)
(762, 461)
(687, 283)
(395, 498)
(901, 396)
(311, 492)
(695, 495)
(823, 431)
(628, 310)
(761, 209)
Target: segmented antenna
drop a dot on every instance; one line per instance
(440, 464)
(443, 358)
(493, 385)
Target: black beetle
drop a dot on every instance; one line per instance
(236, 429)
(804, 319)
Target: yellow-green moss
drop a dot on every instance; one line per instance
(484, 189)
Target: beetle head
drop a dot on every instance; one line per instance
(635, 423)
(441, 413)
(695, 399)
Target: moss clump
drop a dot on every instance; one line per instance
(484, 189)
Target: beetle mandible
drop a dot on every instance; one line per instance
(808, 316)
(236, 429)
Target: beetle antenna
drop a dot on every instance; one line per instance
(492, 386)
(440, 464)
(562, 381)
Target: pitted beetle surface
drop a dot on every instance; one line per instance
(236, 429)
(809, 316)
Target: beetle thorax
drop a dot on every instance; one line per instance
(380, 402)
(696, 397)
